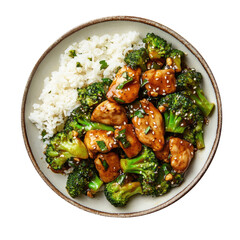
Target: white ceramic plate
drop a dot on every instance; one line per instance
(49, 62)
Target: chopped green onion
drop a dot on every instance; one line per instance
(145, 81)
(139, 113)
(105, 165)
(104, 64)
(118, 100)
(90, 59)
(121, 85)
(123, 139)
(147, 130)
(102, 146)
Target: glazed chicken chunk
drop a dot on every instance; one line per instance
(164, 153)
(99, 141)
(108, 166)
(160, 82)
(150, 128)
(109, 113)
(128, 141)
(182, 153)
(125, 86)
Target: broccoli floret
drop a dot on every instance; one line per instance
(145, 165)
(181, 113)
(156, 46)
(79, 121)
(83, 179)
(62, 147)
(189, 83)
(93, 94)
(137, 58)
(176, 56)
(167, 178)
(118, 192)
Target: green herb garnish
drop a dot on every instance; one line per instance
(102, 146)
(139, 113)
(117, 69)
(122, 138)
(147, 130)
(72, 53)
(43, 134)
(105, 165)
(128, 79)
(90, 59)
(145, 81)
(104, 64)
(78, 64)
(118, 100)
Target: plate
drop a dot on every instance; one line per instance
(49, 62)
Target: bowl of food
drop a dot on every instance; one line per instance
(121, 116)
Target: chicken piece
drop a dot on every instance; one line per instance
(125, 93)
(108, 166)
(109, 113)
(182, 153)
(128, 141)
(150, 128)
(164, 153)
(160, 82)
(99, 141)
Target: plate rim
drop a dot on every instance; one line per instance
(190, 48)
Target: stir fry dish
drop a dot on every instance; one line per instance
(136, 133)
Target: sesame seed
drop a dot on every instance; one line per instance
(153, 132)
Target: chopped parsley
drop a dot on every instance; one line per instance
(102, 146)
(72, 53)
(78, 64)
(90, 59)
(122, 138)
(104, 64)
(43, 134)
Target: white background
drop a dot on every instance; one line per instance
(29, 209)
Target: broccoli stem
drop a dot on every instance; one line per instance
(87, 125)
(199, 140)
(200, 100)
(173, 123)
(95, 184)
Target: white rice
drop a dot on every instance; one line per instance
(59, 95)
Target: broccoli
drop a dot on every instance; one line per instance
(176, 56)
(62, 147)
(189, 83)
(83, 179)
(79, 121)
(145, 165)
(137, 58)
(166, 179)
(118, 192)
(156, 46)
(93, 94)
(181, 113)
